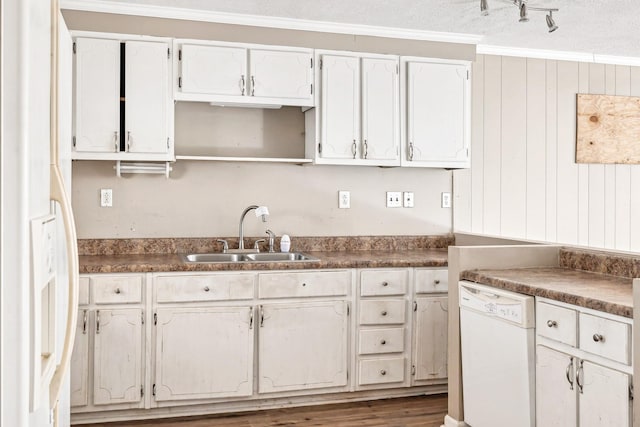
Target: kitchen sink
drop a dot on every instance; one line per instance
(250, 257)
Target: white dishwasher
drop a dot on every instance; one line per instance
(498, 357)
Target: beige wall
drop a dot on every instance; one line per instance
(206, 198)
(524, 182)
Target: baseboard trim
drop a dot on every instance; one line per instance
(450, 422)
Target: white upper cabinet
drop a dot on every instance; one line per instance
(241, 74)
(437, 113)
(97, 95)
(122, 102)
(359, 111)
(212, 70)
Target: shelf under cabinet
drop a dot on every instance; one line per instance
(245, 159)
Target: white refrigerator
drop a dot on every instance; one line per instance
(38, 250)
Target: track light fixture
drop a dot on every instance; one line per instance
(524, 9)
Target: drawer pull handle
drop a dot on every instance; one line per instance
(383, 372)
(385, 283)
(206, 289)
(579, 376)
(383, 342)
(569, 373)
(437, 281)
(598, 338)
(117, 290)
(384, 313)
(552, 323)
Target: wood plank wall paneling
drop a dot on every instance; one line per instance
(524, 182)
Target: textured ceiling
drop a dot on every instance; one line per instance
(610, 27)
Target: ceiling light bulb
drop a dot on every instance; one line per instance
(551, 23)
(484, 7)
(523, 12)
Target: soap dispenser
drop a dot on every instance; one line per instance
(285, 243)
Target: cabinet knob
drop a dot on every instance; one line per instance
(385, 283)
(206, 289)
(383, 342)
(437, 281)
(304, 284)
(598, 338)
(384, 313)
(117, 290)
(383, 372)
(552, 323)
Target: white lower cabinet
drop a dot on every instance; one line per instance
(303, 346)
(203, 352)
(430, 338)
(582, 388)
(107, 363)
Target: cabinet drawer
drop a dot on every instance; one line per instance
(431, 281)
(83, 291)
(381, 371)
(303, 284)
(377, 341)
(382, 312)
(116, 290)
(556, 323)
(213, 287)
(383, 282)
(605, 337)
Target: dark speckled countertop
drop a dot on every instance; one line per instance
(138, 263)
(602, 292)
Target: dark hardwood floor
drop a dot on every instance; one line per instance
(423, 411)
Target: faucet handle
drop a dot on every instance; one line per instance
(256, 244)
(272, 238)
(225, 245)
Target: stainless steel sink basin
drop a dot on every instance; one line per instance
(279, 256)
(213, 257)
(250, 257)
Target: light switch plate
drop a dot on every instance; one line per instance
(408, 199)
(394, 199)
(344, 199)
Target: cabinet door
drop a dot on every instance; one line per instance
(556, 394)
(380, 109)
(604, 401)
(214, 70)
(79, 366)
(437, 113)
(97, 95)
(280, 74)
(302, 346)
(340, 107)
(204, 352)
(147, 97)
(117, 363)
(430, 338)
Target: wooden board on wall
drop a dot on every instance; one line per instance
(608, 129)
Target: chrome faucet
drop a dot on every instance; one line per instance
(260, 211)
(272, 238)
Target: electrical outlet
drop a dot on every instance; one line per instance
(106, 197)
(344, 199)
(446, 200)
(394, 199)
(408, 199)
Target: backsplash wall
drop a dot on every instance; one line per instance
(204, 199)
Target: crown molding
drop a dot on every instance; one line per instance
(484, 49)
(155, 11)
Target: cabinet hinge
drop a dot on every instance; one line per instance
(153, 390)
(168, 52)
(74, 142)
(142, 317)
(413, 369)
(397, 69)
(74, 47)
(180, 55)
(630, 391)
(467, 152)
(141, 391)
(167, 143)
(321, 64)
(347, 375)
(348, 309)
(467, 74)
(311, 88)
(415, 306)
(155, 318)
(311, 60)
(179, 81)
(319, 147)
